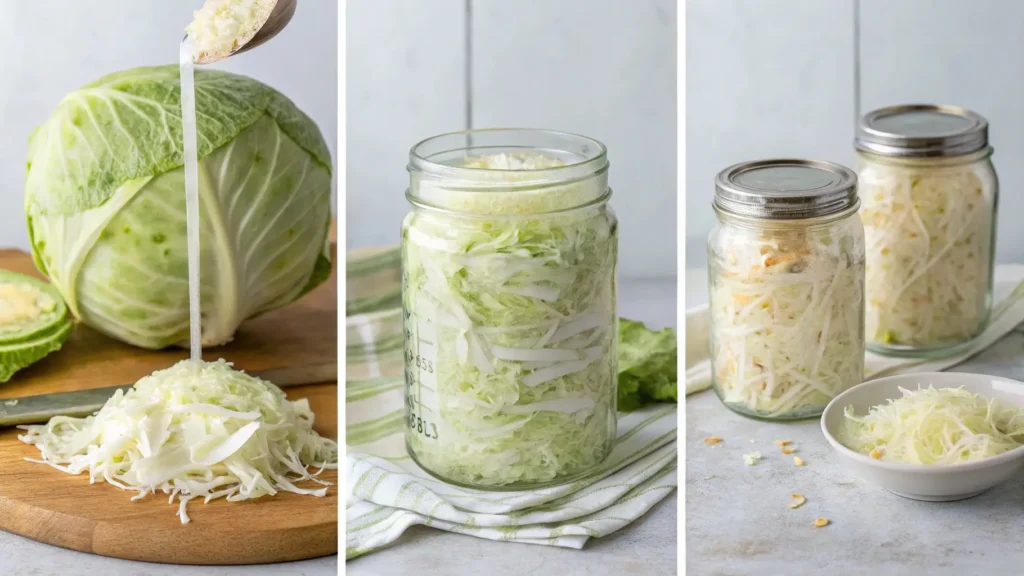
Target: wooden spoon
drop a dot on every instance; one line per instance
(266, 28)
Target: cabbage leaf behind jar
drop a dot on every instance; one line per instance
(648, 370)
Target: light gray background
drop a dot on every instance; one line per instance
(603, 68)
(51, 48)
(781, 78)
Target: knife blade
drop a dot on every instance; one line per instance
(79, 403)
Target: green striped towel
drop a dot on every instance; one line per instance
(388, 492)
(1007, 315)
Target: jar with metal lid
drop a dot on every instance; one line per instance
(928, 203)
(786, 287)
(509, 261)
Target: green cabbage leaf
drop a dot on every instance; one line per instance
(647, 365)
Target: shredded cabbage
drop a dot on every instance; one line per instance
(194, 430)
(510, 329)
(929, 232)
(935, 426)
(786, 317)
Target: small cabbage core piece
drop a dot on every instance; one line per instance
(21, 303)
(33, 322)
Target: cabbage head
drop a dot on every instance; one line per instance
(105, 203)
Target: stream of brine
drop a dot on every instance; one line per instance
(191, 152)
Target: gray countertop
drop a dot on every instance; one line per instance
(738, 522)
(646, 547)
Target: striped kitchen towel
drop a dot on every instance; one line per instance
(387, 492)
(1006, 315)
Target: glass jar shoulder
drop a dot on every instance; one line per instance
(881, 180)
(773, 247)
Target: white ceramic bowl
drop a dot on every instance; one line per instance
(935, 482)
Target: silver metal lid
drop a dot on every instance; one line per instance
(922, 131)
(785, 189)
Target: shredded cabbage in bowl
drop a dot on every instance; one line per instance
(786, 317)
(935, 426)
(510, 334)
(192, 431)
(929, 236)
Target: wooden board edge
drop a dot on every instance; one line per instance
(196, 547)
(230, 549)
(182, 546)
(46, 526)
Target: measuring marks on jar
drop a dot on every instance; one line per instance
(423, 414)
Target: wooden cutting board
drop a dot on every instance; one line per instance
(50, 506)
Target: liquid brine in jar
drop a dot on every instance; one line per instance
(928, 204)
(509, 294)
(786, 287)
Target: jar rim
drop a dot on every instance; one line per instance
(590, 155)
(440, 180)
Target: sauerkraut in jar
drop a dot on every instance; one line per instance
(509, 258)
(928, 204)
(786, 286)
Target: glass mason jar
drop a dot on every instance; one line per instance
(786, 287)
(928, 203)
(509, 290)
